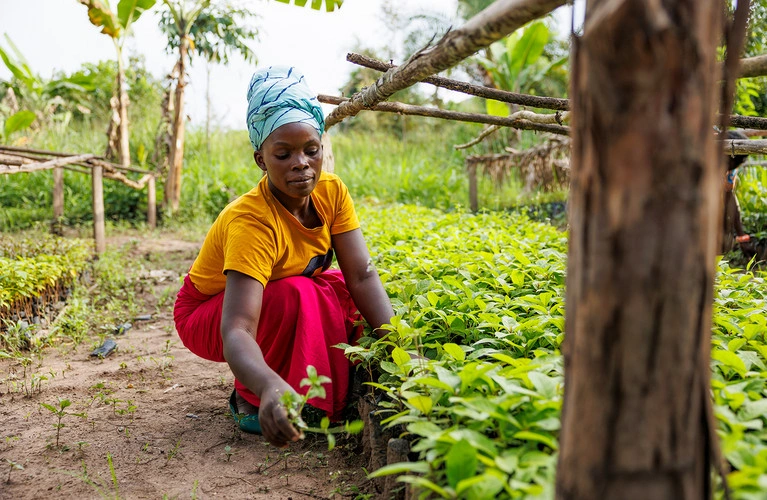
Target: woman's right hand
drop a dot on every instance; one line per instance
(273, 416)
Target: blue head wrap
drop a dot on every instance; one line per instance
(278, 95)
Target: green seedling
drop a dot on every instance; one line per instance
(60, 413)
(12, 465)
(228, 452)
(295, 403)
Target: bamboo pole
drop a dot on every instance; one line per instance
(97, 179)
(409, 109)
(498, 20)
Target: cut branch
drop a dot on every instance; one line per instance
(489, 130)
(409, 109)
(492, 24)
(555, 103)
(47, 165)
(751, 67)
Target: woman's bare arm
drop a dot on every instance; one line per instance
(239, 323)
(362, 279)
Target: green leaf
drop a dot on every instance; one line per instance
(730, 360)
(399, 468)
(102, 17)
(354, 427)
(546, 386)
(18, 121)
(529, 48)
(425, 483)
(496, 108)
(483, 487)
(455, 351)
(330, 5)
(534, 436)
(400, 357)
(421, 403)
(331, 442)
(129, 11)
(460, 462)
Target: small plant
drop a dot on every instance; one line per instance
(12, 465)
(295, 403)
(60, 413)
(228, 452)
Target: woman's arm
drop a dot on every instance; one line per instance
(239, 323)
(362, 279)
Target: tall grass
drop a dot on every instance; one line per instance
(416, 165)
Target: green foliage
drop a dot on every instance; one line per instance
(470, 371)
(330, 5)
(518, 63)
(218, 31)
(31, 269)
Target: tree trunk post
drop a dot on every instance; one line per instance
(173, 186)
(58, 200)
(122, 96)
(151, 203)
(97, 178)
(473, 199)
(644, 214)
(328, 158)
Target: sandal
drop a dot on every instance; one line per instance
(247, 422)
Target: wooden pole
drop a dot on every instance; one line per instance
(498, 20)
(409, 109)
(58, 200)
(151, 203)
(473, 198)
(534, 101)
(97, 177)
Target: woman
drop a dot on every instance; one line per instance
(259, 295)
(732, 225)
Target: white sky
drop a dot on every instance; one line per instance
(56, 35)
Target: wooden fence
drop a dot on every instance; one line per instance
(15, 160)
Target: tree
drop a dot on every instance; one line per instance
(117, 24)
(645, 183)
(184, 15)
(218, 31)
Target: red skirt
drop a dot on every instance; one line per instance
(301, 320)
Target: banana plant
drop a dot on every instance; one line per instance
(518, 62)
(330, 5)
(116, 24)
(27, 99)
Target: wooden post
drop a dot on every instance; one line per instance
(643, 210)
(151, 203)
(58, 200)
(473, 200)
(97, 176)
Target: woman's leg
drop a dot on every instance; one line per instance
(301, 320)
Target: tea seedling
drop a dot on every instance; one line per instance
(228, 452)
(12, 465)
(60, 413)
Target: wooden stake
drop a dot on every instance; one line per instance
(58, 199)
(97, 177)
(151, 203)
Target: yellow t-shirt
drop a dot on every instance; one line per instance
(257, 236)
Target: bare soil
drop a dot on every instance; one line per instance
(157, 410)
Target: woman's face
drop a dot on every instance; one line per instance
(292, 158)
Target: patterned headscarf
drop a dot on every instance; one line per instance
(278, 95)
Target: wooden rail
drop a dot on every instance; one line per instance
(15, 160)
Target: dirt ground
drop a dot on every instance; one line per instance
(158, 411)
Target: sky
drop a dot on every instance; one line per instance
(55, 35)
